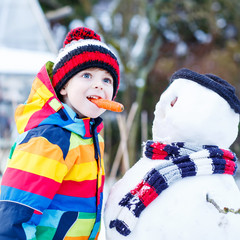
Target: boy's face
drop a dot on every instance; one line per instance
(89, 83)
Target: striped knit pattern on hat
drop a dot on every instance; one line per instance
(84, 49)
(184, 160)
(213, 82)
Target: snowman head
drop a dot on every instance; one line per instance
(202, 109)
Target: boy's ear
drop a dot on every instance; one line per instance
(63, 91)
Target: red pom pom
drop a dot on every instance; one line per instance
(80, 33)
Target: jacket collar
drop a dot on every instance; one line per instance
(43, 107)
(82, 126)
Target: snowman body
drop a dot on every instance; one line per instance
(193, 207)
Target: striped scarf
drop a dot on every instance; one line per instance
(184, 160)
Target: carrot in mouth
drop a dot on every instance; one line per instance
(108, 104)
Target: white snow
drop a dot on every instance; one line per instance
(191, 208)
(199, 116)
(19, 61)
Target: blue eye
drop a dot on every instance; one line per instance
(86, 75)
(107, 80)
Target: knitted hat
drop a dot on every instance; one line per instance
(215, 83)
(84, 49)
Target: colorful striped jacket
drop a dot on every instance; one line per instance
(52, 186)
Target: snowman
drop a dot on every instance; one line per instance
(183, 187)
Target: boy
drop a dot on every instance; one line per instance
(52, 187)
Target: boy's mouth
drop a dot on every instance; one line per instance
(93, 97)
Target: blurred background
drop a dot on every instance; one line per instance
(152, 39)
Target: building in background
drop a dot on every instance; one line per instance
(26, 44)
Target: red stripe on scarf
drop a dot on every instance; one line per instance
(230, 165)
(158, 151)
(145, 192)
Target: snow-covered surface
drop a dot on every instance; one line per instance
(182, 211)
(19, 61)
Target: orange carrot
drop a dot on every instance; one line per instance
(108, 105)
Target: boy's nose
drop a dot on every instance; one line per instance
(98, 84)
